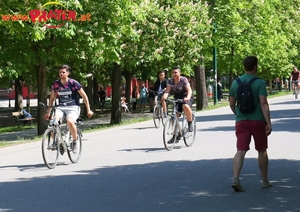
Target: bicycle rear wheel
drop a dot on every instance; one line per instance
(189, 137)
(169, 134)
(156, 116)
(74, 157)
(50, 150)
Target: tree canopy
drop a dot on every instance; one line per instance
(145, 36)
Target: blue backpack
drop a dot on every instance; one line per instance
(143, 92)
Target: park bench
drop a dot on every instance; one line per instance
(20, 118)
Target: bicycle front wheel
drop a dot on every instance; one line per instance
(169, 134)
(75, 156)
(156, 116)
(296, 91)
(50, 149)
(189, 137)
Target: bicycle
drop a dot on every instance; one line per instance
(57, 140)
(158, 113)
(174, 131)
(296, 88)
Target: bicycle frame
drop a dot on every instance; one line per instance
(57, 139)
(56, 126)
(174, 130)
(158, 101)
(175, 115)
(295, 82)
(296, 88)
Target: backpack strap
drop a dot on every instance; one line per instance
(238, 80)
(252, 80)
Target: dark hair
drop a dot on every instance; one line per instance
(67, 67)
(160, 72)
(250, 62)
(176, 67)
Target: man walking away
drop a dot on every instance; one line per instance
(256, 123)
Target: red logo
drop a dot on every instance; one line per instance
(52, 14)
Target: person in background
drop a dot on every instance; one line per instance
(277, 84)
(143, 97)
(151, 97)
(294, 77)
(134, 95)
(160, 86)
(102, 97)
(219, 90)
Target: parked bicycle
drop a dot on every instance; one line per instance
(57, 139)
(296, 88)
(176, 128)
(158, 112)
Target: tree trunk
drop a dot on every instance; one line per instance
(231, 67)
(28, 99)
(42, 97)
(115, 103)
(18, 94)
(90, 92)
(201, 98)
(128, 87)
(95, 93)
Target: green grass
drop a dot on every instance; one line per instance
(225, 102)
(15, 129)
(279, 93)
(22, 140)
(123, 122)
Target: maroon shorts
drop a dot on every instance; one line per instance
(245, 129)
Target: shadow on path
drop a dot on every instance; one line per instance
(202, 185)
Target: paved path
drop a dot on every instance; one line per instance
(126, 168)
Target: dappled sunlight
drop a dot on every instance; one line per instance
(162, 186)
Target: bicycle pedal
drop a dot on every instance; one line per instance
(51, 148)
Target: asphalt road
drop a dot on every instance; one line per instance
(126, 168)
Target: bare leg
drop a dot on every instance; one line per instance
(263, 162)
(238, 162)
(72, 127)
(164, 105)
(188, 112)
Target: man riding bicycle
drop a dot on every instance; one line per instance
(159, 87)
(67, 90)
(294, 77)
(182, 90)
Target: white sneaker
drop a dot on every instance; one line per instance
(75, 146)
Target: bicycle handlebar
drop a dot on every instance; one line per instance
(78, 121)
(155, 92)
(51, 112)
